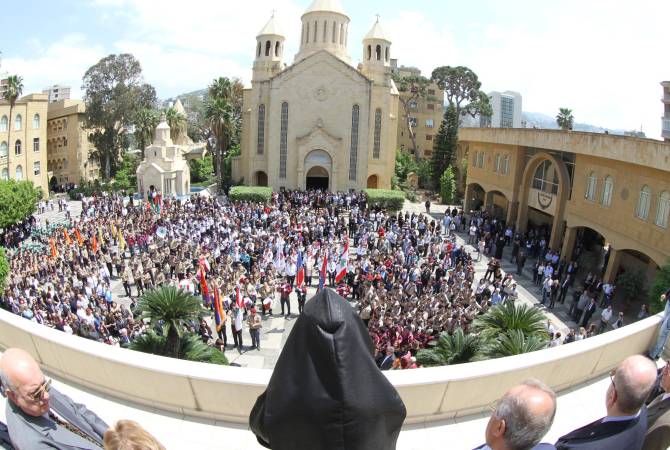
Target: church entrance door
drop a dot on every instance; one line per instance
(317, 178)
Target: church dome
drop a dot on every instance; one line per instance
(326, 6)
(377, 33)
(271, 28)
(325, 26)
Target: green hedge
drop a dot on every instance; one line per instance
(250, 194)
(386, 199)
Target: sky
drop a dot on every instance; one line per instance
(604, 59)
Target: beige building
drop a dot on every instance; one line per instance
(23, 153)
(425, 114)
(595, 188)
(666, 111)
(320, 122)
(68, 147)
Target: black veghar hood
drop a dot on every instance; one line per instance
(326, 392)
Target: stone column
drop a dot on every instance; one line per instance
(556, 233)
(512, 211)
(612, 266)
(569, 243)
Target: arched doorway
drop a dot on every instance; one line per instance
(261, 178)
(474, 197)
(372, 182)
(317, 178)
(318, 167)
(497, 204)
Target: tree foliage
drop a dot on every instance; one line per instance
(224, 118)
(404, 164)
(415, 88)
(455, 349)
(444, 146)
(514, 342)
(126, 176)
(462, 89)
(18, 200)
(448, 187)
(177, 123)
(660, 285)
(114, 92)
(4, 268)
(564, 119)
(13, 91)
(201, 169)
(511, 316)
(191, 348)
(145, 121)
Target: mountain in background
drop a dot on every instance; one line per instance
(539, 120)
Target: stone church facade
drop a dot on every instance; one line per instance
(320, 122)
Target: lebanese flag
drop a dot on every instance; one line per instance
(343, 262)
(322, 272)
(203, 284)
(238, 298)
(300, 274)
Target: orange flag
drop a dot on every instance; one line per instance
(67, 237)
(78, 236)
(52, 244)
(94, 244)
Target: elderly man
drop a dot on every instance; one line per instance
(521, 418)
(625, 425)
(40, 417)
(658, 417)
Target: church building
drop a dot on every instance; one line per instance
(320, 122)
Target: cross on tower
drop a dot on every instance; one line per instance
(273, 13)
(377, 17)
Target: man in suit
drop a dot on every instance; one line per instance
(625, 425)
(521, 418)
(40, 417)
(658, 417)
(588, 312)
(386, 362)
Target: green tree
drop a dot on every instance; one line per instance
(145, 122)
(4, 268)
(514, 342)
(404, 164)
(565, 119)
(415, 88)
(201, 169)
(510, 316)
(222, 121)
(660, 285)
(191, 348)
(448, 186)
(631, 283)
(126, 176)
(114, 92)
(462, 90)
(455, 349)
(18, 200)
(444, 145)
(174, 308)
(177, 123)
(13, 90)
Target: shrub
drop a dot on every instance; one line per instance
(4, 268)
(385, 199)
(448, 186)
(660, 285)
(250, 194)
(18, 200)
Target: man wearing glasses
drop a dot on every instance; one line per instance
(625, 425)
(40, 417)
(658, 417)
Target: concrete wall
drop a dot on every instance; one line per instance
(228, 393)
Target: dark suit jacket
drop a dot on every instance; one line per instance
(626, 435)
(385, 363)
(29, 432)
(658, 423)
(540, 446)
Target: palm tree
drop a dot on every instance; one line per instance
(145, 123)
(191, 348)
(564, 119)
(510, 316)
(514, 342)
(220, 115)
(177, 123)
(12, 93)
(174, 308)
(456, 349)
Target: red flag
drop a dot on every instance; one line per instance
(238, 297)
(219, 316)
(78, 236)
(94, 244)
(322, 272)
(203, 282)
(343, 262)
(300, 276)
(52, 244)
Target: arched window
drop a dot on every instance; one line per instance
(663, 209)
(316, 29)
(591, 185)
(378, 52)
(496, 164)
(505, 162)
(283, 140)
(36, 144)
(3, 123)
(18, 122)
(277, 48)
(307, 34)
(268, 45)
(17, 147)
(260, 145)
(36, 168)
(545, 178)
(36, 122)
(258, 50)
(474, 159)
(342, 34)
(388, 55)
(608, 186)
(369, 52)
(325, 31)
(376, 149)
(4, 149)
(64, 142)
(5, 174)
(643, 203)
(353, 150)
(334, 32)
(480, 160)
(19, 173)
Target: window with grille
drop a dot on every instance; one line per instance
(353, 151)
(283, 140)
(260, 146)
(376, 149)
(643, 203)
